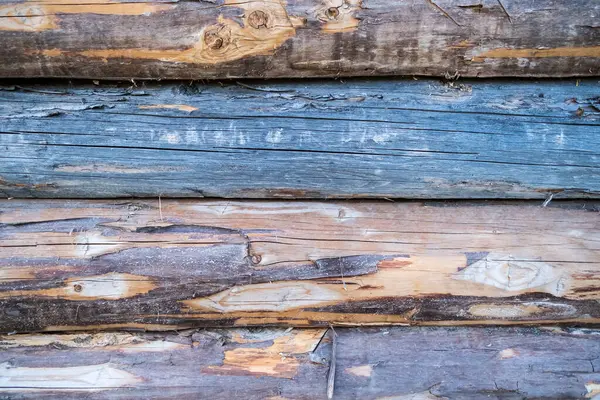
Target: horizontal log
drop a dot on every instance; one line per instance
(173, 39)
(318, 139)
(276, 364)
(159, 265)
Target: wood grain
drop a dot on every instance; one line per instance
(391, 363)
(317, 139)
(68, 265)
(158, 39)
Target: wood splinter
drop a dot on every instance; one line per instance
(331, 373)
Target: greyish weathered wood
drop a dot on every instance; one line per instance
(161, 39)
(317, 139)
(277, 364)
(72, 265)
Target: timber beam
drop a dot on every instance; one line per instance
(172, 264)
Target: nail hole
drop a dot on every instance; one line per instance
(333, 12)
(78, 288)
(256, 259)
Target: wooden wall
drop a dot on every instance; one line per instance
(440, 239)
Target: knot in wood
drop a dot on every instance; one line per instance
(333, 12)
(258, 19)
(256, 259)
(213, 40)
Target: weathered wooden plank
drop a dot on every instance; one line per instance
(318, 139)
(68, 265)
(391, 363)
(299, 38)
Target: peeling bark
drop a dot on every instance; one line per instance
(67, 265)
(303, 38)
(375, 363)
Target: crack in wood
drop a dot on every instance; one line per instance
(443, 12)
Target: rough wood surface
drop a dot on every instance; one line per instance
(377, 364)
(298, 38)
(68, 265)
(317, 139)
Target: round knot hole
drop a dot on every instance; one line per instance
(258, 19)
(256, 259)
(213, 40)
(333, 12)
